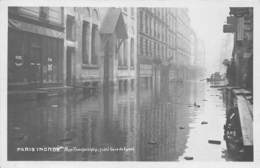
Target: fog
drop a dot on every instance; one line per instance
(208, 22)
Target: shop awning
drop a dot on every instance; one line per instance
(114, 23)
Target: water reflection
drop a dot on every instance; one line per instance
(144, 119)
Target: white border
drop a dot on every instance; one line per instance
(135, 3)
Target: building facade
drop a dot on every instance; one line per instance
(240, 68)
(35, 46)
(72, 46)
(183, 44)
(164, 45)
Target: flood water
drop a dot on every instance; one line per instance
(131, 124)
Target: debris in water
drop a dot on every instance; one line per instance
(54, 105)
(152, 143)
(17, 128)
(21, 137)
(181, 127)
(196, 105)
(66, 140)
(204, 100)
(204, 122)
(214, 142)
(188, 158)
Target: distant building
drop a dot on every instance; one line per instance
(183, 49)
(163, 44)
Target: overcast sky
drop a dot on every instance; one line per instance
(208, 22)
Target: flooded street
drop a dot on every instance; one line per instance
(166, 124)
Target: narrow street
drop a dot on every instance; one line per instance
(130, 83)
(159, 125)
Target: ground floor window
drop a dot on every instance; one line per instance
(34, 59)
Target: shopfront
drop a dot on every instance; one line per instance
(34, 60)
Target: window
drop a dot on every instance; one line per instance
(141, 45)
(120, 60)
(158, 31)
(146, 47)
(55, 15)
(141, 21)
(44, 13)
(125, 53)
(85, 42)
(95, 16)
(88, 12)
(154, 49)
(94, 37)
(70, 25)
(162, 52)
(155, 28)
(158, 46)
(122, 54)
(132, 53)
(146, 23)
(27, 11)
(132, 12)
(150, 26)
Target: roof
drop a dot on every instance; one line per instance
(114, 23)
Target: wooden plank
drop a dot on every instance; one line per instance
(246, 120)
(241, 92)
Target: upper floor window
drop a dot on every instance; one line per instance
(132, 52)
(146, 23)
(141, 21)
(95, 16)
(125, 53)
(87, 12)
(141, 45)
(94, 38)
(132, 13)
(122, 54)
(85, 42)
(55, 14)
(44, 13)
(70, 26)
(146, 47)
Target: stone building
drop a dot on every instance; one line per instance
(240, 69)
(183, 46)
(71, 46)
(94, 63)
(164, 46)
(35, 47)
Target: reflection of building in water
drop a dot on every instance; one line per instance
(120, 121)
(157, 123)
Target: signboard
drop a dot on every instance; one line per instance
(228, 28)
(231, 20)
